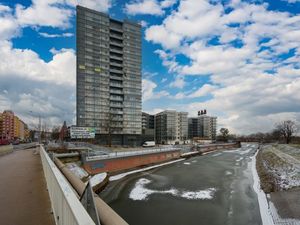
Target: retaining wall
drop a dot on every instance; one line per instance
(128, 162)
(213, 147)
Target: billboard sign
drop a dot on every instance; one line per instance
(82, 132)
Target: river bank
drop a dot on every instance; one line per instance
(278, 187)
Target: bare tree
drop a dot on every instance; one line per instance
(287, 129)
(224, 133)
(55, 132)
(110, 128)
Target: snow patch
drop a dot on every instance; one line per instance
(265, 214)
(227, 173)
(98, 178)
(140, 192)
(204, 194)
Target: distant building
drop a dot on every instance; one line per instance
(63, 133)
(203, 127)
(171, 127)
(148, 131)
(11, 127)
(7, 125)
(109, 90)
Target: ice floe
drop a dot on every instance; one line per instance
(140, 192)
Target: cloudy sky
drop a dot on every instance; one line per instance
(240, 60)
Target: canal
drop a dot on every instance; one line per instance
(214, 189)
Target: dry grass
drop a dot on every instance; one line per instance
(267, 164)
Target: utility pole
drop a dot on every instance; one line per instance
(40, 128)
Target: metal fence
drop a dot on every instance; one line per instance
(66, 207)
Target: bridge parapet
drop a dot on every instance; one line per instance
(66, 207)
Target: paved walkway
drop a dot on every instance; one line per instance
(24, 199)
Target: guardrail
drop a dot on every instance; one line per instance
(66, 207)
(93, 155)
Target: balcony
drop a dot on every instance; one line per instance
(118, 36)
(116, 50)
(118, 29)
(119, 44)
(115, 91)
(116, 98)
(116, 57)
(116, 71)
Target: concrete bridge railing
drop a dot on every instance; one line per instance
(67, 209)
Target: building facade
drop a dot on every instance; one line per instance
(12, 127)
(171, 127)
(148, 127)
(7, 125)
(109, 90)
(202, 127)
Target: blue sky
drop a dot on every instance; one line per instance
(240, 60)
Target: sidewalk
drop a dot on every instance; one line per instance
(24, 199)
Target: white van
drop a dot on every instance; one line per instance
(149, 144)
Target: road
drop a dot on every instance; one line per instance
(23, 192)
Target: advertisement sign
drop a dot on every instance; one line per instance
(82, 132)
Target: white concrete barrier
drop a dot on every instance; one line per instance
(67, 209)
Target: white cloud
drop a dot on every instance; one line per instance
(55, 13)
(148, 91)
(47, 35)
(167, 3)
(206, 89)
(44, 13)
(99, 5)
(27, 64)
(4, 8)
(150, 7)
(143, 23)
(9, 26)
(178, 82)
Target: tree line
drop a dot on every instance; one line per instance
(284, 131)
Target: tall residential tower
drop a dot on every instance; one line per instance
(109, 77)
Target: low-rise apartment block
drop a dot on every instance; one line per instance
(171, 127)
(203, 127)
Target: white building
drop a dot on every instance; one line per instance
(171, 127)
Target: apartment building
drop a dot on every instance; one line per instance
(148, 127)
(109, 90)
(171, 127)
(202, 127)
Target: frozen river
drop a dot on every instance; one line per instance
(215, 189)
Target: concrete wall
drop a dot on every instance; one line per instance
(5, 149)
(208, 148)
(129, 162)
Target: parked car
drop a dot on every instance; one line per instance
(4, 142)
(149, 144)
